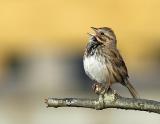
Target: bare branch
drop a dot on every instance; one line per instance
(112, 100)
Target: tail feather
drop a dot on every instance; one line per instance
(132, 90)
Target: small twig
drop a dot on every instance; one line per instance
(112, 100)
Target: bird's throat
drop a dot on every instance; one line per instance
(91, 47)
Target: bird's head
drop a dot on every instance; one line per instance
(104, 35)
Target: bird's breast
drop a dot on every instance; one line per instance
(95, 68)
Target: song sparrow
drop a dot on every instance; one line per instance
(103, 62)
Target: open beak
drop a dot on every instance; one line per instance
(90, 34)
(97, 34)
(95, 30)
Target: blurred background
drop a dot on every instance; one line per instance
(41, 49)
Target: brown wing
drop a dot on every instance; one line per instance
(119, 69)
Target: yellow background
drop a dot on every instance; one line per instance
(23, 23)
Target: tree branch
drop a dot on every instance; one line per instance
(112, 100)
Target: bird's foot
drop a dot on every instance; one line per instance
(99, 88)
(109, 90)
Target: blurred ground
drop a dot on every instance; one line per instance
(41, 49)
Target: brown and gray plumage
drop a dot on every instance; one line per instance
(103, 62)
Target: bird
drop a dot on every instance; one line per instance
(103, 62)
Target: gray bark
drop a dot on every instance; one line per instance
(112, 100)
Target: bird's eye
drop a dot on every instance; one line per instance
(101, 33)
